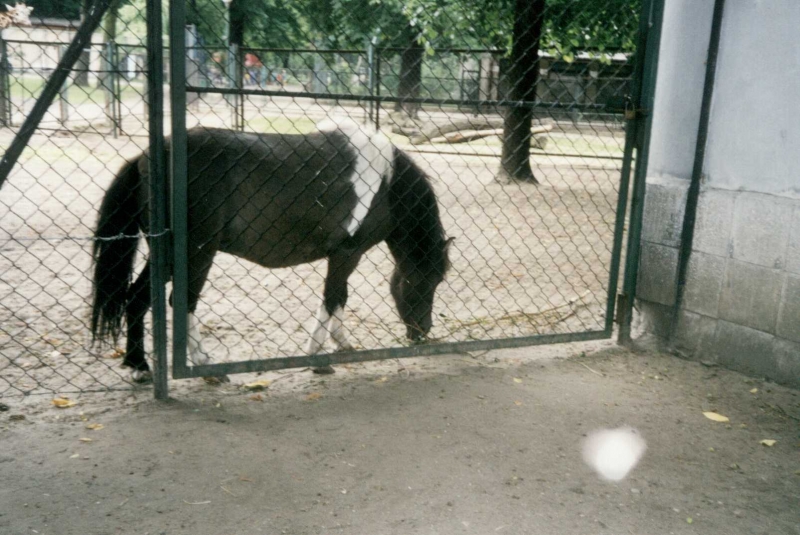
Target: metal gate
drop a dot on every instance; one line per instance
(530, 264)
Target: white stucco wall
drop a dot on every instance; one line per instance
(754, 133)
(679, 92)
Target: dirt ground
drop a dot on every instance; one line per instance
(459, 444)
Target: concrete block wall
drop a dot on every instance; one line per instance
(741, 305)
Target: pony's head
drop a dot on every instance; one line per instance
(418, 244)
(413, 287)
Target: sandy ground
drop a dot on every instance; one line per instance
(453, 445)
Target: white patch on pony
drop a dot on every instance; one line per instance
(337, 331)
(195, 342)
(320, 331)
(374, 158)
(141, 376)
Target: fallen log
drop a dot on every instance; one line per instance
(434, 130)
(465, 136)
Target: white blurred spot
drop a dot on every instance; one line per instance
(614, 452)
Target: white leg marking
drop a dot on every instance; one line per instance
(374, 158)
(320, 331)
(195, 342)
(337, 331)
(140, 376)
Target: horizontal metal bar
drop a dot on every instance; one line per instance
(533, 152)
(422, 350)
(307, 50)
(370, 98)
(39, 43)
(452, 50)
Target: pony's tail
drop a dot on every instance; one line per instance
(114, 252)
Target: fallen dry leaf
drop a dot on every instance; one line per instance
(76, 456)
(313, 396)
(382, 379)
(257, 386)
(84, 439)
(94, 427)
(256, 397)
(754, 391)
(63, 403)
(768, 442)
(117, 354)
(518, 403)
(716, 417)
(517, 380)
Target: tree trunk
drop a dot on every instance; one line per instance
(84, 61)
(522, 74)
(410, 75)
(236, 25)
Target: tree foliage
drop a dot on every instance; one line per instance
(58, 9)
(599, 27)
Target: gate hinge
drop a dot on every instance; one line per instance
(636, 113)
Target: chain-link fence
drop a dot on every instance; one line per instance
(535, 251)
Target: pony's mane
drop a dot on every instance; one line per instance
(416, 211)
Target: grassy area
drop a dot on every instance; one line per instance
(29, 87)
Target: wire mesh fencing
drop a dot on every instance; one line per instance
(437, 78)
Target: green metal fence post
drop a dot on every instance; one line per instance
(377, 88)
(178, 165)
(238, 69)
(158, 196)
(642, 111)
(5, 94)
(63, 96)
(371, 72)
(109, 83)
(117, 88)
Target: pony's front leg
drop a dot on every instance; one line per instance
(330, 315)
(197, 354)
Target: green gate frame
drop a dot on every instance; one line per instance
(639, 120)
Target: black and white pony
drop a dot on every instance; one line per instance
(278, 200)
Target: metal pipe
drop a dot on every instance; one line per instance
(158, 196)
(418, 100)
(52, 87)
(693, 195)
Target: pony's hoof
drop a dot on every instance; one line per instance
(216, 381)
(142, 377)
(323, 370)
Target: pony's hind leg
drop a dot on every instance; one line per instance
(138, 303)
(331, 312)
